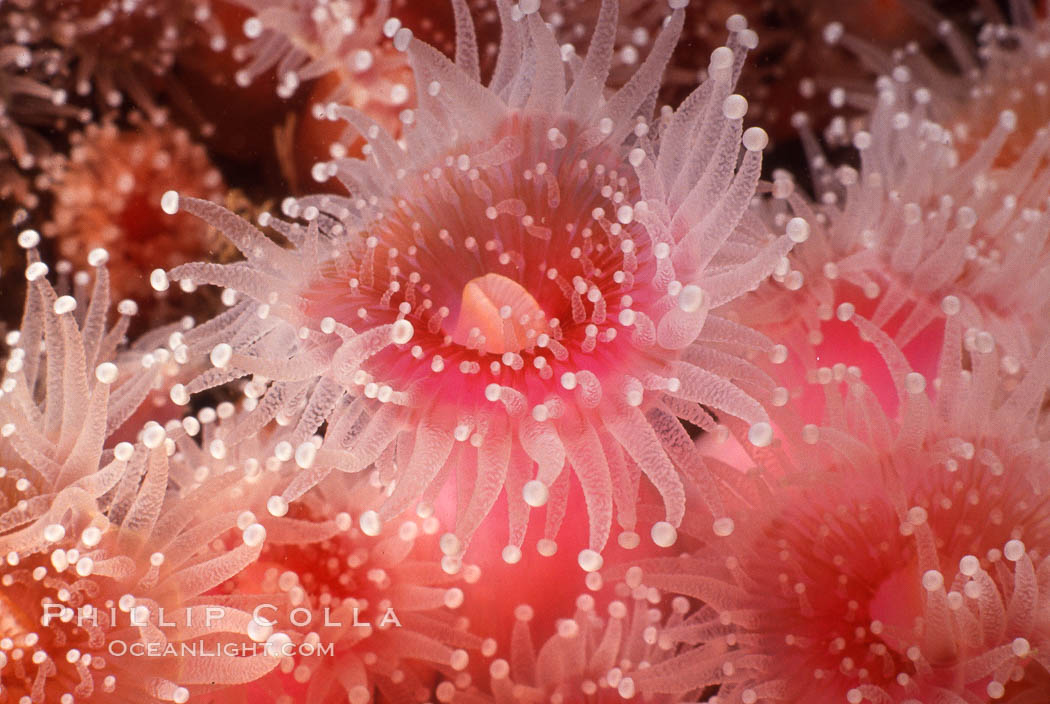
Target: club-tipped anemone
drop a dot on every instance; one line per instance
(592, 656)
(371, 612)
(947, 200)
(346, 45)
(69, 382)
(916, 232)
(114, 605)
(526, 285)
(107, 194)
(107, 53)
(881, 559)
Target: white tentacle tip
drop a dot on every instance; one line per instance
(169, 202)
(664, 534)
(760, 434)
(590, 560)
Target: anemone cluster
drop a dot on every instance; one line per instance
(540, 351)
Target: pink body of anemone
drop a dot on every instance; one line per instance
(527, 287)
(881, 560)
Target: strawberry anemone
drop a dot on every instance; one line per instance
(111, 604)
(369, 609)
(881, 560)
(948, 200)
(70, 382)
(107, 194)
(93, 542)
(917, 224)
(525, 288)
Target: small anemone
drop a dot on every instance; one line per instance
(70, 382)
(112, 601)
(946, 210)
(369, 610)
(880, 559)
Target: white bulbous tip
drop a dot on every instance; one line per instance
(220, 355)
(915, 383)
(833, 32)
(450, 544)
(254, 535)
(529, 7)
(370, 523)
(677, 4)
(36, 270)
(169, 202)
(628, 540)
(755, 139)
(98, 257)
(65, 304)
(402, 39)
(664, 534)
(760, 434)
(401, 332)
(535, 493)
(798, 230)
(459, 660)
(511, 554)
(179, 395)
(932, 580)
(734, 107)
(546, 547)
(723, 527)
(951, 305)
(1008, 120)
(106, 373)
(590, 560)
(123, 451)
(691, 298)
(158, 279)
(1014, 550)
(28, 239)
(277, 506)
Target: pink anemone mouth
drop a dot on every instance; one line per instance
(532, 293)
